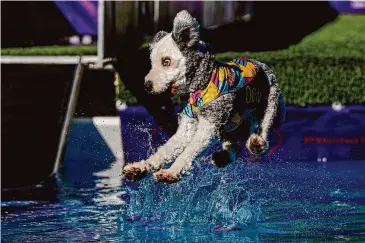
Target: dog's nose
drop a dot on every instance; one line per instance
(148, 85)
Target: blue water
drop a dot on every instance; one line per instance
(274, 201)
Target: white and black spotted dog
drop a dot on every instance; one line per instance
(219, 97)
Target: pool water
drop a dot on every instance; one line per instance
(276, 201)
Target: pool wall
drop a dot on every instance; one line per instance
(94, 146)
(318, 134)
(94, 139)
(315, 133)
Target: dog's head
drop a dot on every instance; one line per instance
(179, 58)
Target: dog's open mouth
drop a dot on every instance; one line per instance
(173, 89)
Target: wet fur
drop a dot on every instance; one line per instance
(191, 72)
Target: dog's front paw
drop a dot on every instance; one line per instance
(221, 158)
(165, 176)
(257, 145)
(134, 172)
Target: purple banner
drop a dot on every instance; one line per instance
(348, 7)
(82, 15)
(322, 134)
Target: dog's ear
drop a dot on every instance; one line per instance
(158, 36)
(185, 30)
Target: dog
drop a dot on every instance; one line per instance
(218, 99)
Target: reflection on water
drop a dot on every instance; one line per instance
(87, 213)
(245, 202)
(108, 183)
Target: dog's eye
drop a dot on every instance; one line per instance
(166, 62)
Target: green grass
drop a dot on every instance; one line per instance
(342, 39)
(51, 51)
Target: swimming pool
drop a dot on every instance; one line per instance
(281, 201)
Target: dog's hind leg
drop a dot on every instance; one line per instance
(229, 152)
(258, 143)
(168, 152)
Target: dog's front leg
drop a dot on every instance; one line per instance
(168, 152)
(206, 131)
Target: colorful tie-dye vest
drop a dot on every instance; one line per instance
(226, 78)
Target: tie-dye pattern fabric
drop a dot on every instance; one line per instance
(226, 78)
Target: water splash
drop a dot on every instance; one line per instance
(221, 199)
(208, 196)
(144, 138)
